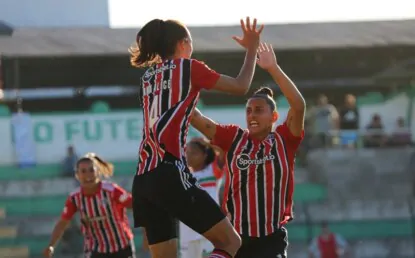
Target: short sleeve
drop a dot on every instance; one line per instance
(122, 197)
(224, 136)
(334, 113)
(69, 209)
(290, 140)
(340, 241)
(202, 77)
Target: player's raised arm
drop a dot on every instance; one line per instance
(250, 40)
(203, 124)
(268, 62)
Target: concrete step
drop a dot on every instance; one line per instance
(8, 232)
(14, 252)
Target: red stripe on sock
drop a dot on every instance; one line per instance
(219, 254)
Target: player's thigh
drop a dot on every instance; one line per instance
(204, 216)
(198, 210)
(177, 192)
(166, 249)
(158, 223)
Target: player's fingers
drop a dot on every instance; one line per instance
(261, 28)
(262, 47)
(248, 24)
(237, 39)
(265, 46)
(243, 26)
(270, 48)
(254, 25)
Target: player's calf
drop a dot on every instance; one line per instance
(224, 238)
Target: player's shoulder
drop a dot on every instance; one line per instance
(232, 127)
(236, 130)
(109, 186)
(281, 129)
(196, 61)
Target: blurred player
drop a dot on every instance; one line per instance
(164, 190)
(328, 244)
(102, 207)
(206, 165)
(260, 163)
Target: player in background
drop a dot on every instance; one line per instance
(260, 163)
(102, 206)
(164, 190)
(206, 165)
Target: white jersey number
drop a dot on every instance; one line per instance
(154, 110)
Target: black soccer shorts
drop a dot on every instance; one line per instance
(167, 194)
(273, 245)
(127, 252)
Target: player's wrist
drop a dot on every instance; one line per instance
(252, 49)
(274, 69)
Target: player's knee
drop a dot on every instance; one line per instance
(229, 242)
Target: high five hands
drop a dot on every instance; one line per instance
(250, 34)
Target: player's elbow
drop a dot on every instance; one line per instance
(241, 89)
(299, 105)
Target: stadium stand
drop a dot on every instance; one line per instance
(366, 195)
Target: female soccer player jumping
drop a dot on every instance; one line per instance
(102, 207)
(260, 162)
(206, 165)
(163, 189)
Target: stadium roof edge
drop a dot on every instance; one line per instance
(52, 42)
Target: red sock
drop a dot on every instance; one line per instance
(217, 253)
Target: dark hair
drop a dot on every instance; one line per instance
(156, 41)
(324, 224)
(105, 169)
(267, 94)
(208, 150)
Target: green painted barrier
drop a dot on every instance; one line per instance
(53, 205)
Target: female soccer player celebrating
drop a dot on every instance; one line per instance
(206, 165)
(260, 163)
(102, 207)
(163, 189)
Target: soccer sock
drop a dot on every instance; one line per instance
(217, 253)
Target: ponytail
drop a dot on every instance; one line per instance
(156, 41)
(106, 169)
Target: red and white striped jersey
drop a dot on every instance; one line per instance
(260, 182)
(169, 94)
(103, 215)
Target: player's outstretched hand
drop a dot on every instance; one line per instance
(251, 34)
(266, 56)
(48, 252)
